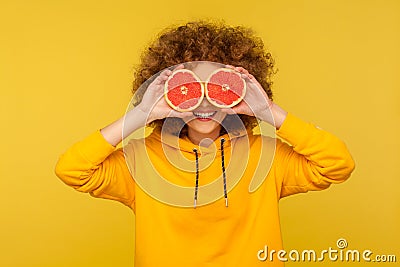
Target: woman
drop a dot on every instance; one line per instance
(178, 182)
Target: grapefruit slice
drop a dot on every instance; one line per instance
(183, 90)
(225, 88)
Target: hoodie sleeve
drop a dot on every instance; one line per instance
(94, 166)
(314, 159)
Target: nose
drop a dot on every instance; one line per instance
(205, 103)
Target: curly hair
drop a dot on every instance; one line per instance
(207, 41)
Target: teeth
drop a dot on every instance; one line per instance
(204, 115)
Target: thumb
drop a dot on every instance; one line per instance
(229, 111)
(179, 114)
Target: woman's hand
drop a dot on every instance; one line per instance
(152, 107)
(153, 103)
(256, 101)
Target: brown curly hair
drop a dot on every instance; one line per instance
(206, 41)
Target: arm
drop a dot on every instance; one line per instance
(94, 166)
(315, 158)
(314, 161)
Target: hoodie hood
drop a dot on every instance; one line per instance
(186, 146)
(192, 173)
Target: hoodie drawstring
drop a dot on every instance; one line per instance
(196, 189)
(197, 177)
(223, 171)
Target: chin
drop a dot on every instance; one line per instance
(204, 127)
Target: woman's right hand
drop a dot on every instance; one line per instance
(153, 103)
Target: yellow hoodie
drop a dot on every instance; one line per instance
(259, 171)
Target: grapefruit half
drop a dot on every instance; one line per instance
(225, 88)
(183, 90)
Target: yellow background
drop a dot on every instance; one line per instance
(66, 70)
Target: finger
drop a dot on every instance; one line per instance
(242, 70)
(164, 75)
(187, 114)
(161, 78)
(252, 82)
(251, 77)
(244, 76)
(178, 114)
(230, 111)
(244, 107)
(179, 67)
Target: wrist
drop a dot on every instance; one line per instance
(143, 115)
(274, 115)
(279, 115)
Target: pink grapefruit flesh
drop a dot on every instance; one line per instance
(225, 88)
(183, 90)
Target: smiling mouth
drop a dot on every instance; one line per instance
(204, 115)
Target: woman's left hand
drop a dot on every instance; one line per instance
(256, 101)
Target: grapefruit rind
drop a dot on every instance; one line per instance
(209, 84)
(195, 80)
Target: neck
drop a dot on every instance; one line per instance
(197, 137)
